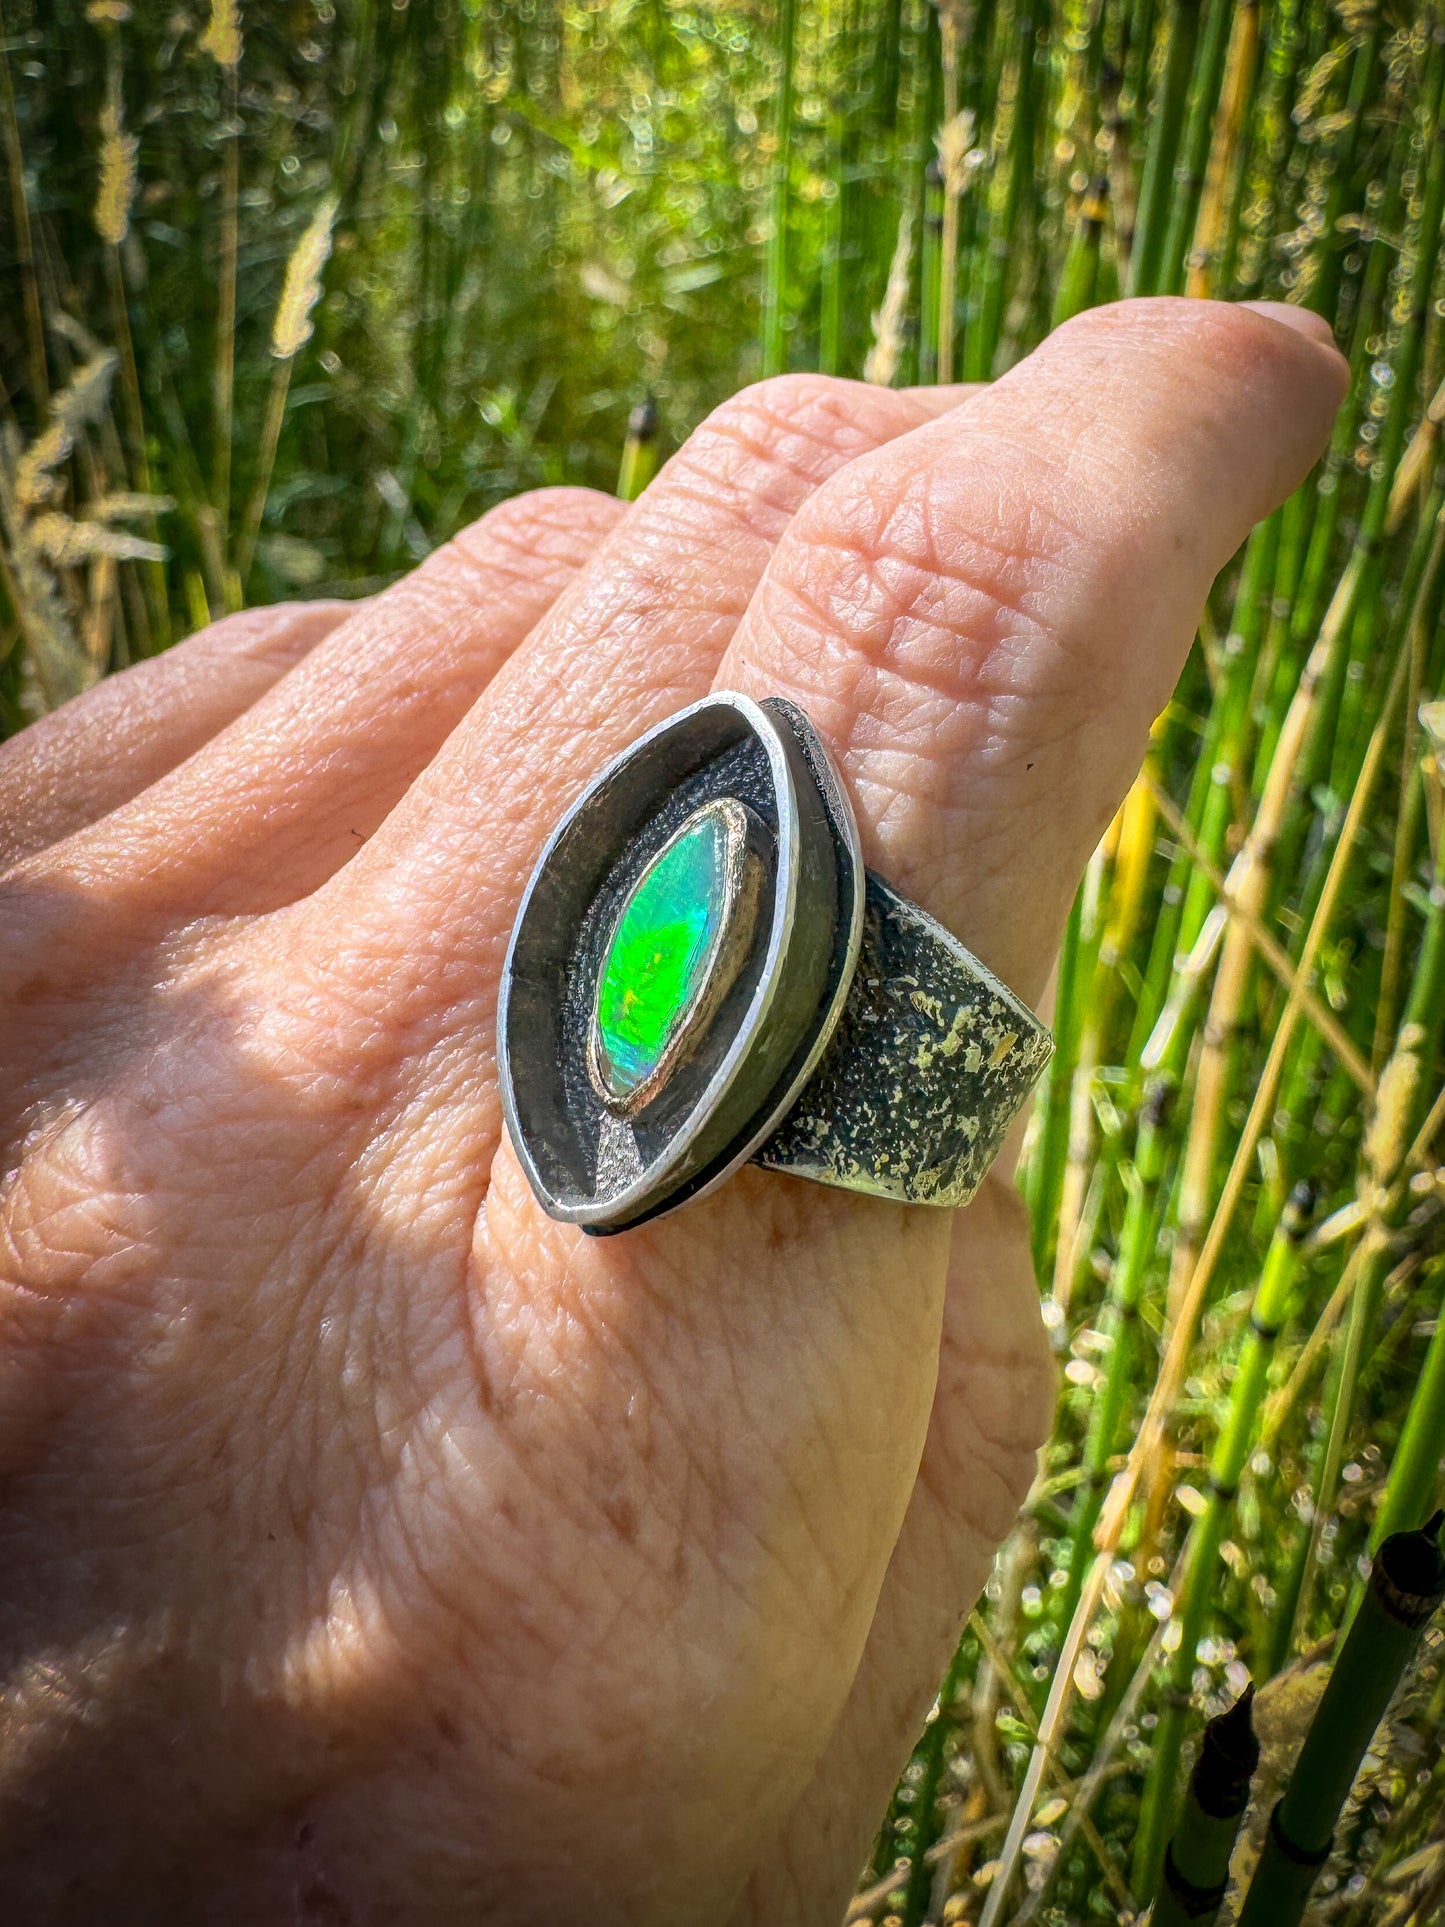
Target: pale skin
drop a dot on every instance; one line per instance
(372, 1548)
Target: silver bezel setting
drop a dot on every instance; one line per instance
(588, 1165)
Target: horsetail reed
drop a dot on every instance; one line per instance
(1267, 1319)
(223, 42)
(639, 451)
(1196, 1862)
(775, 275)
(370, 270)
(1407, 1585)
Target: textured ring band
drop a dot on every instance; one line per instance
(703, 972)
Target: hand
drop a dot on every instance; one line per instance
(374, 1548)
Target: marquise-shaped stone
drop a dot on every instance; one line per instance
(675, 950)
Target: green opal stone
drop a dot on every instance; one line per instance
(659, 968)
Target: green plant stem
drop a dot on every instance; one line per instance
(834, 300)
(775, 271)
(1136, 1250)
(930, 265)
(1050, 1152)
(952, 189)
(1196, 1865)
(1407, 1584)
(265, 465)
(1165, 122)
(639, 451)
(1079, 283)
(1363, 69)
(24, 241)
(1006, 208)
(1242, 92)
(917, 1892)
(1189, 175)
(1231, 1452)
(225, 377)
(1415, 1472)
(1400, 1107)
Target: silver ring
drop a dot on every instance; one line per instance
(702, 972)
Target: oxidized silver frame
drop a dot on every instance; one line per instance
(587, 1165)
(860, 1044)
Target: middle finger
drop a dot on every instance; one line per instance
(427, 907)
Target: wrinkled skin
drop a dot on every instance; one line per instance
(373, 1548)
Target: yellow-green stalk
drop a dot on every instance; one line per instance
(775, 276)
(639, 450)
(290, 332)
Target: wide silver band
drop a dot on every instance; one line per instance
(859, 1043)
(929, 1065)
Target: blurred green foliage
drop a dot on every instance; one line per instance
(545, 210)
(539, 213)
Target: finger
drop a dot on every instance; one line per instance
(1006, 599)
(277, 802)
(991, 1413)
(99, 750)
(984, 618)
(640, 635)
(1014, 584)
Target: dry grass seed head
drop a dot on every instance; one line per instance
(1387, 1138)
(886, 353)
(222, 38)
(116, 193)
(302, 287)
(957, 16)
(1317, 83)
(82, 401)
(55, 663)
(67, 544)
(955, 143)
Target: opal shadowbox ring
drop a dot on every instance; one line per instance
(702, 972)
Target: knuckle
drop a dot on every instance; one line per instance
(246, 633)
(788, 418)
(900, 573)
(1169, 320)
(764, 450)
(560, 526)
(269, 640)
(780, 400)
(984, 516)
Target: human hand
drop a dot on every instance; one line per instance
(374, 1548)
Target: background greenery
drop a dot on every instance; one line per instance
(291, 295)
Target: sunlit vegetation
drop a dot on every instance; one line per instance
(292, 293)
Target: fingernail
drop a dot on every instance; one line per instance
(1303, 320)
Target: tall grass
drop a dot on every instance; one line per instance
(540, 216)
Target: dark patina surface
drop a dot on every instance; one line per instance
(858, 1044)
(928, 1067)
